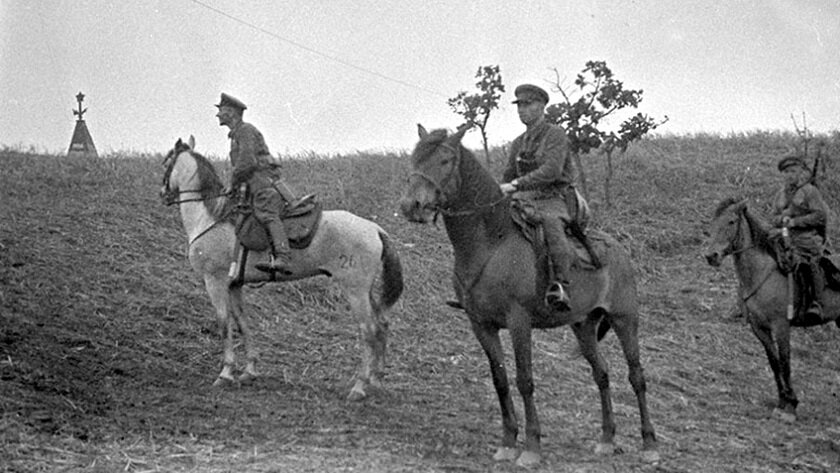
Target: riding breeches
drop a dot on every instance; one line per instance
(269, 205)
(807, 248)
(555, 214)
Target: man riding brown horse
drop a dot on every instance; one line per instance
(253, 165)
(800, 212)
(540, 171)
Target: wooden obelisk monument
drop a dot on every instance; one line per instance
(82, 144)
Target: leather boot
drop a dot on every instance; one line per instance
(556, 295)
(814, 311)
(281, 254)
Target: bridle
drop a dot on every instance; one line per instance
(172, 196)
(731, 250)
(443, 207)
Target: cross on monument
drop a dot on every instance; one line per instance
(81, 144)
(80, 97)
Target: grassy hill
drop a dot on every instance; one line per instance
(108, 344)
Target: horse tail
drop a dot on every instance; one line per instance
(392, 274)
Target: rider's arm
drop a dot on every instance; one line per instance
(816, 211)
(247, 140)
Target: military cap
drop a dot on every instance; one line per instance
(792, 160)
(530, 93)
(228, 101)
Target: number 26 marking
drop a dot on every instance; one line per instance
(346, 261)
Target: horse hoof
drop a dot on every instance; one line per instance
(650, 456)
(789, 417)
(247, 378)
(505, 454)
(603, 448)
(356, 394)
(528, 459)
(222, 381)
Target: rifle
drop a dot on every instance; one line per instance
(813, 179)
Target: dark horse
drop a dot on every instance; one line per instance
(763, 290)
(500, 284)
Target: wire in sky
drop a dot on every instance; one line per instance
(316, 52)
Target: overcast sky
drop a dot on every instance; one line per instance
(338, 76)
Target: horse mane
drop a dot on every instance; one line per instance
(475, 178)
(724, 204)
(759, 228)
(211, 187)
(476, 181)
(760, 232)
(429, 144)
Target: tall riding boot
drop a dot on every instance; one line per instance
(281, 254)
(815, 290)
(557, 296)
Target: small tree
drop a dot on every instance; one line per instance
(600, 95)
(476, 107)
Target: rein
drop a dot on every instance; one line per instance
(196, 199)
(439, 188)
(173, 197)
(735, 252)
(203, 232)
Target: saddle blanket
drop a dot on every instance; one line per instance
(529, 222)
(301, 223)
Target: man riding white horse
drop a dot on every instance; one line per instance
(253, 165)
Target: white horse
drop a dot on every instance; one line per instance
(354, 252)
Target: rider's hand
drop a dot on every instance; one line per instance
(508, 188)
(786, 221)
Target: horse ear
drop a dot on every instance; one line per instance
(741, 205)
(421, 131)
(462, 130)
(191, 142)
(178, 143)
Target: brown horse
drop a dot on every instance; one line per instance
(500, 285)
(763, 290)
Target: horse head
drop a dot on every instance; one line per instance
(170, 188)
(435, 178)
(726, 231)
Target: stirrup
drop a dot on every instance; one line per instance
(275, 265)
(814, 310)
(455, 304)
(556, 296)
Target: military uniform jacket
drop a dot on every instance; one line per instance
(248, 153)
(539, 161)
(805, 207)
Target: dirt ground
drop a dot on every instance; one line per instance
(108, 350)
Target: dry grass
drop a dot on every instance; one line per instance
(108, 344)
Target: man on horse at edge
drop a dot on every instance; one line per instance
(254, 166)
(540, 171)
(800, 209)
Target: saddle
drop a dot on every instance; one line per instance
(588, 248)
(830, 264)
(300, 218)
(787, 263)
